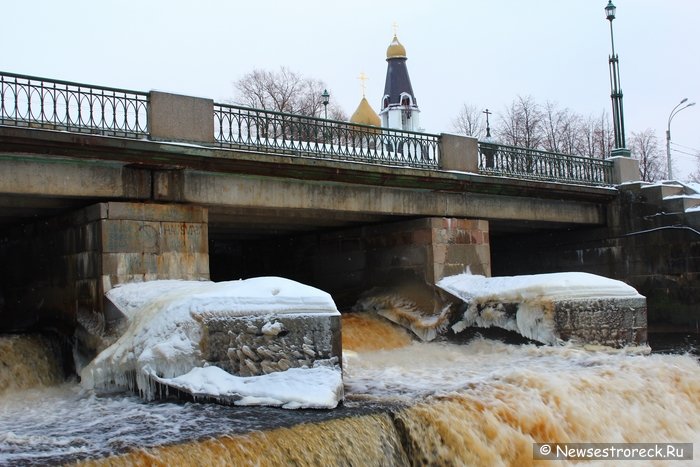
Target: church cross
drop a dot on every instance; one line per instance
(363, 82)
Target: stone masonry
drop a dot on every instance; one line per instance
(259, 344)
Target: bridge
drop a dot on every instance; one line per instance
(128, 185)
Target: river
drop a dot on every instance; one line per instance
(479, 401)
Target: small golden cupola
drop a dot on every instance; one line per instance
(395, 49)
(365, 114)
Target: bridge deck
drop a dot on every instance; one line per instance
(49, 171)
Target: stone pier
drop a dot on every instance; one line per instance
(346, 263)
(58, 270)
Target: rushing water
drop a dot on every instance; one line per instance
(477, 402)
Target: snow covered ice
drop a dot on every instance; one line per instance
(166, 332)
(535, 287)
(544, 307)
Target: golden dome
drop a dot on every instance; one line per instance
(395, 50)
(365, 115)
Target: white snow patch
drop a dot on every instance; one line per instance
(242, 297)
(272, 329)
(162, 338)
(296, 388)
(556, 286)
(693, 186)
(694, 196)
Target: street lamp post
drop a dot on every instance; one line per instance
(620, 148)
(326, 98)
(668, 132)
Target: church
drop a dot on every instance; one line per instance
(399, 107)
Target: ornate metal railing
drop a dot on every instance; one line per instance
(497, 159)
(242, 127)
(33, 102)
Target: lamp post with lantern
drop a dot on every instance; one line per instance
(325, 99)
(620, 148)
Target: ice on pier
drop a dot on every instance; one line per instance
(550, 308)
(563, 285)
(317, 388)
(168, 331)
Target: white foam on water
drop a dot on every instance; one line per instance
(502, 396)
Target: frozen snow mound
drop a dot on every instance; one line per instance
(552, 308)
(563, 285)
(248, 328)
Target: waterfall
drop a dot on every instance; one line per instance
(29, 360)
(481, 402)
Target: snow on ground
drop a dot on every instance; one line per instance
(486, 296)
(161, 341)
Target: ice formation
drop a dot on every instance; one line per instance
(161, 341)
(405, 312)
(320, 387)
(525, 304)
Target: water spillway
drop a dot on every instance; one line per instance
(482, 402)
(28, 361)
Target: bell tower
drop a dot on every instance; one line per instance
(399, 107)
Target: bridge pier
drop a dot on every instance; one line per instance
(57, 271)
(349, 262)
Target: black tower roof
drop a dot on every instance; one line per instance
(397, 79)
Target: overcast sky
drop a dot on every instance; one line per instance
(479, 52)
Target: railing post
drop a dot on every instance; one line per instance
(459, 153)
(172, 117)
(625, 169)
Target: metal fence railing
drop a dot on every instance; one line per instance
(497, 159)
(28, 101)
(242, 127)
(32, 102)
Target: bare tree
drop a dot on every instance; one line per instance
(645, 147)
(695, 176)
(284, 91)
(571, 134)
(561, 130)
(469, 122)
(552, 122)
(597, 137)
(521, 124)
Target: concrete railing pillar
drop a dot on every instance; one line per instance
(625, 169)
(459, 153)
(172, 117)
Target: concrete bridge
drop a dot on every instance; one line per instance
(101, 186)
